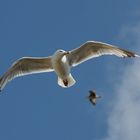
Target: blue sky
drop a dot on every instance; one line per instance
(34, 106)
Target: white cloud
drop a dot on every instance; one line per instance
(124, 120)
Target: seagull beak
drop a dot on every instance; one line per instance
(67, 53)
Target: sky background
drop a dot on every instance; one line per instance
(34, 106)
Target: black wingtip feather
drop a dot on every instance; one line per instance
(0, 84)
(129, 53)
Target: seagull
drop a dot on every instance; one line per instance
(61, 62)
(93, 97)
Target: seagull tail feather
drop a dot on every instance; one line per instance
(67, 82)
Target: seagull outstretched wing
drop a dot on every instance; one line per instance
(93, 49)
(25, 66)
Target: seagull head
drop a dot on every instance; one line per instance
(61, 53)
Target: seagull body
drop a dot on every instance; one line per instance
(61, 62)
(61, 66)
(93, 97)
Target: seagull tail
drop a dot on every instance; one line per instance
(67, 82)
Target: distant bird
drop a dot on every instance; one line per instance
(93, 97)
(61, 62)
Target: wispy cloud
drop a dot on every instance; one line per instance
(124, 120)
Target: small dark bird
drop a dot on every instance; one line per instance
(93, 96)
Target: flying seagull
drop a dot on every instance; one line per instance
(61, 62)
(93, 97)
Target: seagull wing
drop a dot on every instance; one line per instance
(93, 101)
(25, 66)
(93, 49)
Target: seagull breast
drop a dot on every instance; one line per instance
(61, 65)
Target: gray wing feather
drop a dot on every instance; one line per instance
(25, 66)
(95, 49)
